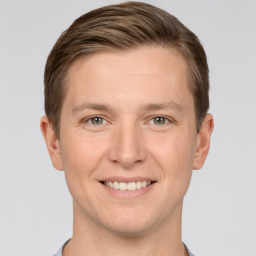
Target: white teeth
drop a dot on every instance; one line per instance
(144, 184)
(127, 186)
(131, 186)
(123, 186)
(116, 185)
(139, 185)
(111, 184)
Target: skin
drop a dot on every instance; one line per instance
(128, 142)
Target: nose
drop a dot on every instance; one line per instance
(127, 146)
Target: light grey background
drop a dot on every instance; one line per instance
(35, 205)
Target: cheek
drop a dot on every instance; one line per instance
(81, 155)
(174, 150)
(175, 155)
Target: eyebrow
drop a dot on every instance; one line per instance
(148, 107)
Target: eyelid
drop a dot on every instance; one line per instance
(169, 120)
(87, 119)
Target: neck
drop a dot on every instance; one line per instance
(89, 238)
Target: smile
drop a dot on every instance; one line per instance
(135, 185)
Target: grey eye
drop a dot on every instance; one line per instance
(159, 120)
(96, 120)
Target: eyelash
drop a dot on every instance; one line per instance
(169, 121)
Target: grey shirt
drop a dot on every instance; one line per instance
(59, 253)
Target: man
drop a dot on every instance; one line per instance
(126, 101)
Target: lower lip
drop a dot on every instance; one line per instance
(128, 194)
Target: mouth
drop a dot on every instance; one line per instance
(131, 186)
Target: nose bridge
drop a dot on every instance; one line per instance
(127, 145)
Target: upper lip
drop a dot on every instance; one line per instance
(127, 179)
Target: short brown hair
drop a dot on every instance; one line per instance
(120, 27)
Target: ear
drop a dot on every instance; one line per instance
(203, 142)
(52, 143)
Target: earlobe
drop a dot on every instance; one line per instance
(203, 142)
(52, 143)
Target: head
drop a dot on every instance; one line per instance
(123, 27)
(126, 100)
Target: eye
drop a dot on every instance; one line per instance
(96, 120)
(160, 120)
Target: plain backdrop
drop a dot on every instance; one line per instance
(220, 207)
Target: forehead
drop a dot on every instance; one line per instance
(149, 60)
(145, 73)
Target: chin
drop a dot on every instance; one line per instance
(129, 224)
(127, 230)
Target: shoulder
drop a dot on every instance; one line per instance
(59, 252)
(189, 252)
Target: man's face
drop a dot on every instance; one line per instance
(128, 119)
